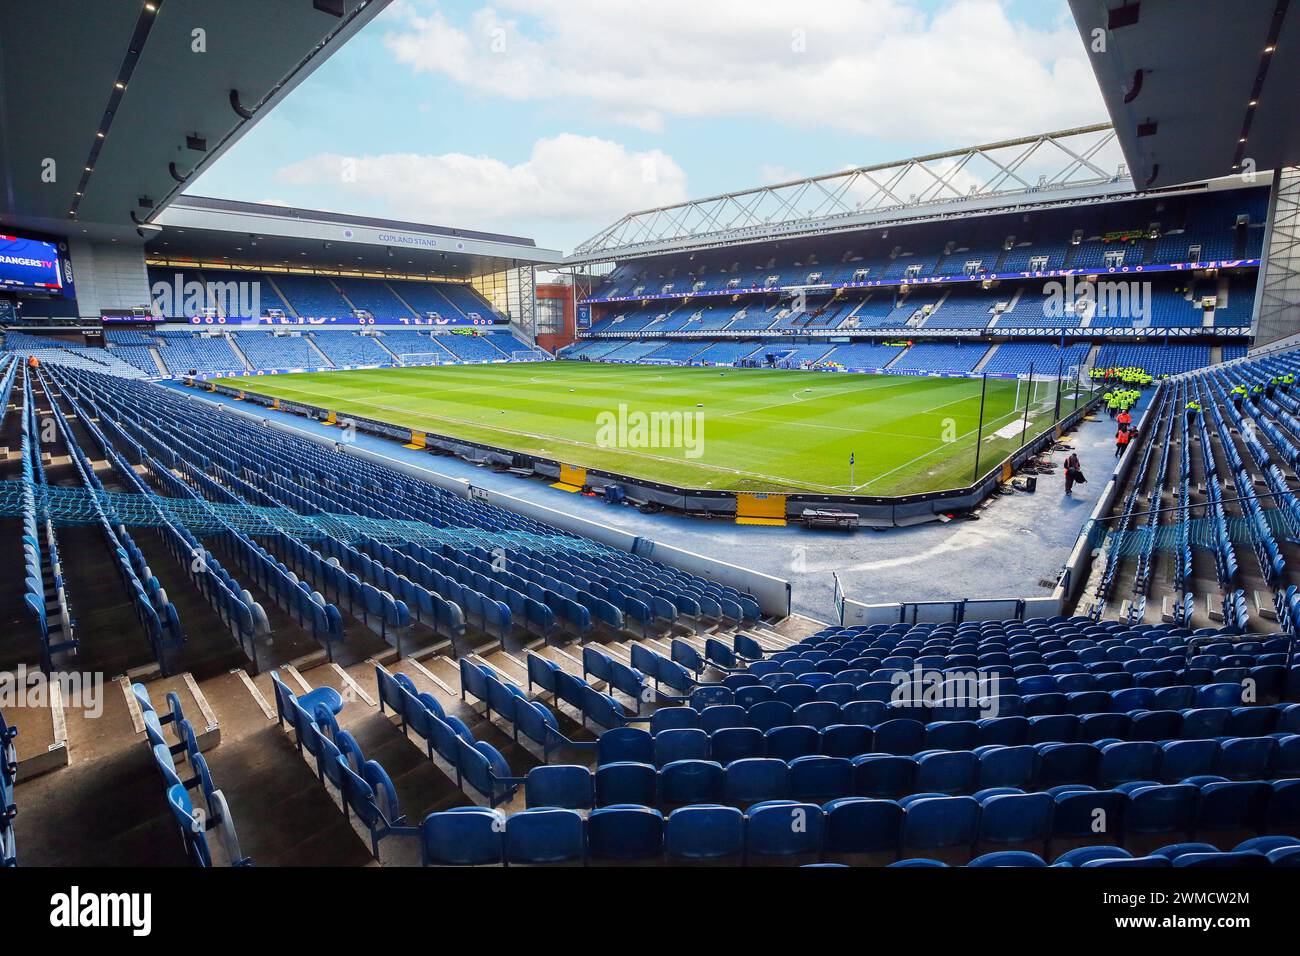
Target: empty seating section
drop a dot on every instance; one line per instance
(199, 808)
(676, 352)
(45, 597)
(138, 356)
(413, 343)
(961, 311)
(724, 353)
(1217, 450)
(472, 348)
(551, 582)
(862, 355)
(917, 277)
(186, 351)
(942, 357)
(467, 301)
(887, 742)
(154, 612)
(52, 351)
(632, 351)
(313, 296)
(1170, 359)
(1038, 240)
(449, 301)
(350, 348)
(266, 350)
(130, 354)
(373, 296)
(1044, 359)
(8, 808)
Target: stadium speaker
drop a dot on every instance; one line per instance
(333, 7)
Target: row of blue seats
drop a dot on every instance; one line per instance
(1025, 634)
(879, 730)
(156, 615)
(686, 774)
(990, 681)
(968, 707)
(1031, 650)
(493, 601)
(534, 719)
(308, 608)
(55, 635)
(1255, 852)
(475, 762)
(370, 593)
(8, 808)
(193, 823)
(245, 618)
(363, 787)
(848, 830)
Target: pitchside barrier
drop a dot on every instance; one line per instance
(945, 612)
(872, 510)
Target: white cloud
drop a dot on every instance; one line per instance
(875, 67)
(565, 179)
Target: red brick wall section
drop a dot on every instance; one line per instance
(553, 342)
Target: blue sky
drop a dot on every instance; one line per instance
(551, 118)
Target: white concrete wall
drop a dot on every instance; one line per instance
(108, 275)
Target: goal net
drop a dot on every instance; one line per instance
(526, 355)
(423, 358)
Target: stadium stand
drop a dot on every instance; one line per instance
(312, 296)
(1042, 358)
(349, 348)
(376, 298)
(1222, 459)
(941, 357)
(472, 348)
(1158, 360)
(864, 356)
(186, 351)
(267, 350)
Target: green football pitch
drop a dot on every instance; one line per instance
(755, 430)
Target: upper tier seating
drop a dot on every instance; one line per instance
(313, 296)
(374, 297)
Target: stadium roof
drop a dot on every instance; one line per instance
(254, 234)
(1068, 166)
(170, 85)
(1195, 89)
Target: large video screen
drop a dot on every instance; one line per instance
(30, 265)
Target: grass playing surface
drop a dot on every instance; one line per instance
(758, 429)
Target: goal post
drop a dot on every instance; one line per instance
(422, 358)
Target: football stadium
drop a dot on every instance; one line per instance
(934, 511)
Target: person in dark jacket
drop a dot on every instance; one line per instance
(1073, 472)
